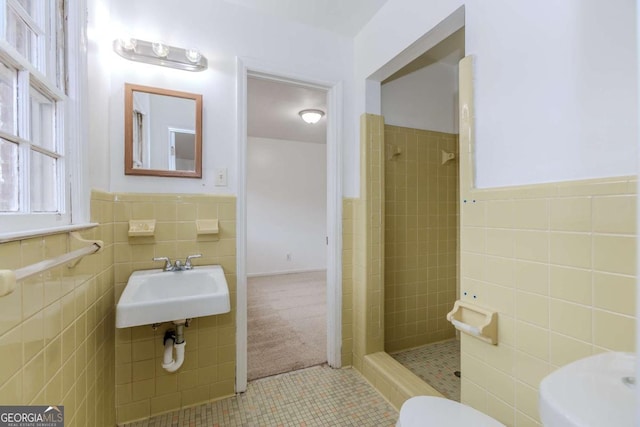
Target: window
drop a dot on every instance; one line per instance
(34, 178)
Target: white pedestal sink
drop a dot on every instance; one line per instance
(155, 296)
(595, 391)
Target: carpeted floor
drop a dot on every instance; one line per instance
(287, 326)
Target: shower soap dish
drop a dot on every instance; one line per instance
(207, 226)
(142, 227)
(474, 320)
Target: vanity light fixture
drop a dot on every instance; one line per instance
(158, 53)
(311, 116)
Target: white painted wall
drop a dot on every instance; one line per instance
(425, 99)
(222, 31)
(286, 206)
(555, 82)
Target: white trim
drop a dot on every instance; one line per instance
(77, 123)
(280, 273)
(256, 68)
(637, 368)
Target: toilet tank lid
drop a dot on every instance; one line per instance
(437, 411)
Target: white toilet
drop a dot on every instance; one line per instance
(427, 411)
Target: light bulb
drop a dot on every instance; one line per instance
(160, 49)
(127, 43)
(311, 116)
(193, 55)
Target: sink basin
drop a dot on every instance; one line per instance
(154, 296)
(590, 392)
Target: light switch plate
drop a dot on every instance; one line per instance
(221, 177)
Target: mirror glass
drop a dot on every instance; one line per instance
(163, 132)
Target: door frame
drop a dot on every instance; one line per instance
(246, 67)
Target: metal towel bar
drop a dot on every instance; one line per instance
(8, 278)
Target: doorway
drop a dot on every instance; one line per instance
(250, 68)
(286, 228)
(419, 105)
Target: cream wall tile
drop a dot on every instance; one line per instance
(474, 395)
(530, 370)
(472, 265)
(532, 277)
(527, 400)
(571, 249)
(614, 214)
(615, 254)
(501, 356)
(532, 340)
(499, 271)
(532, 308)
(570, 319)
(500, 214)
(532, 245)
(11, 350)
(499, 298)
(10, 310)
(500, 410)
(531, 214)
(507, 329)
(501, 385)
(499, 242)
(523, 420)
(474, 214)
(33, 378)
(613, 332)
(473, 239)
(614, 293)
(134, 411)
(571, 284)
(570, 214)
(564, 350)
(476, 369)
(11, 390)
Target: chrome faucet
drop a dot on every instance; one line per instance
(177, 265)
(187, 263)
(167, 263)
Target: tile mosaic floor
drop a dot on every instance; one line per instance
(317, 396)
(436, 364)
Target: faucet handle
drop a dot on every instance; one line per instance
(167, 262)
(187, 263)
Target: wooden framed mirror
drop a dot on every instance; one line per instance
(162, 132)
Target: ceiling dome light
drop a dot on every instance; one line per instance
(160, 49)
(193, 55)
(311, 116)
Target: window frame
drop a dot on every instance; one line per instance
(68, 92)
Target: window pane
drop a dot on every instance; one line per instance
(42, 120)
(7, 100)
(35, 9)
(9, 181)
(44, 183)
(20, 36)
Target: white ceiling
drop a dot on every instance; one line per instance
(345, 17)
(273, 107)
